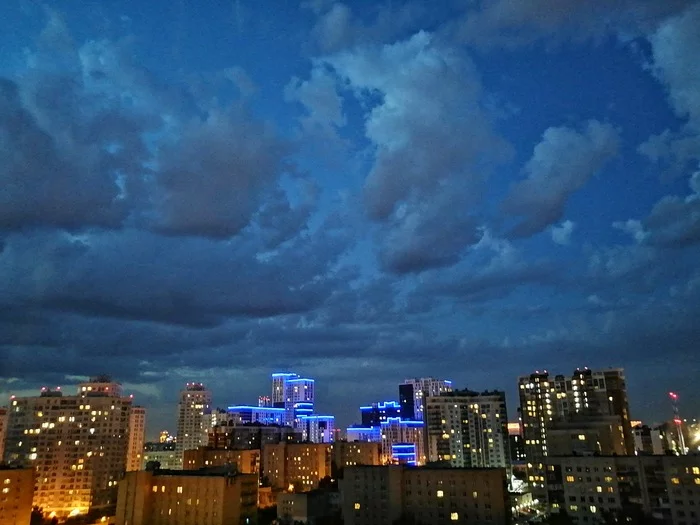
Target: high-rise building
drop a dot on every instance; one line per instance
(245, 461)
(261, 415)
(375, 413)
(187, 497)
(16, 491)
(4, 414)
(395, 431)
(468, 429)
(346, 454)
(137, 438)
(77, 445)
(195, 403)
(163, 453)
(391, 494)
(547, 400)
(413, 391)
(317, 429)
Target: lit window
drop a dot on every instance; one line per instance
(179, 490)
(454, 516)
(582, 437)
(162, 488)
(675, 481)
(599, 489)
(5, 490)
(475, 494)
(570, 479)
(357, 506)
(155, 488)
(7, 481)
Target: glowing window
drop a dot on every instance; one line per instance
(357, 506)
(454, 516)
(440, 494)
(179, 490)
(570, 479)
(582, 437)
(675, 481)
(599, 489)
(155, 488)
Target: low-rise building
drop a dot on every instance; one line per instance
(380, 495)
(590, 488)
(187, 497)
(302, 465)
(163, 453)
(310, 508)
(244, 461)
(16, 494)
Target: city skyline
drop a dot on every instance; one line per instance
(360, 192)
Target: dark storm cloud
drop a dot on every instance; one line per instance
(561, 164)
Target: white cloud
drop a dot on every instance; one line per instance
(561, 164)
(562, 234)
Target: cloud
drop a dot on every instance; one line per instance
(675, 47)
(674, 222)
(213, 173)
(561, 164)
(562, 234)
(511, 23)
(426, 122)
(423, 236)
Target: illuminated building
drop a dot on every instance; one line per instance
(252, 436)
(16, 491)
(302, 464)
(78, 445)
(395, 431)
(468, 429)
(317, 429)
(585, 436)
(589, 488)
(187, 497)
(439, 496)
(3, 430)
(290, 391)
(194, 404)
(165, 437)
(346, 454)
(374, 414)
(162, 453)
(362, 433)
(245, 461)
(137, 438)
(647, 440)
(413, 391)
(261, 415)
(547, 400)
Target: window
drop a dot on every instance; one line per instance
(440, 494)
(454, 516)
(570, 479)
(357, 506)
(179, 490)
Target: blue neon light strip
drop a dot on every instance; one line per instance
(255, 408)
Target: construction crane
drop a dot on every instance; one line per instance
(679, 423)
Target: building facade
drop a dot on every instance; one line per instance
(243, 461)
(160, 497)
(347, 454)
(468, 429)
(382, 495)
(4, 414)
(137, 438)
(413, 391)
(16, 492)
(592, 488)
(546, 400)
(299, 465)
(163, 453)
(192, 408)
(77, 445)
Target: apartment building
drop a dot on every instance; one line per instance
(77, 445)
(591, 488)
(381, 495)
(301, 465)
(244, 461)
(187, 497)
(16, 493)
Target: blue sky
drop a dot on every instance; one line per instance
(359, 192)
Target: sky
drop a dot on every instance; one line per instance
(358, 192)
